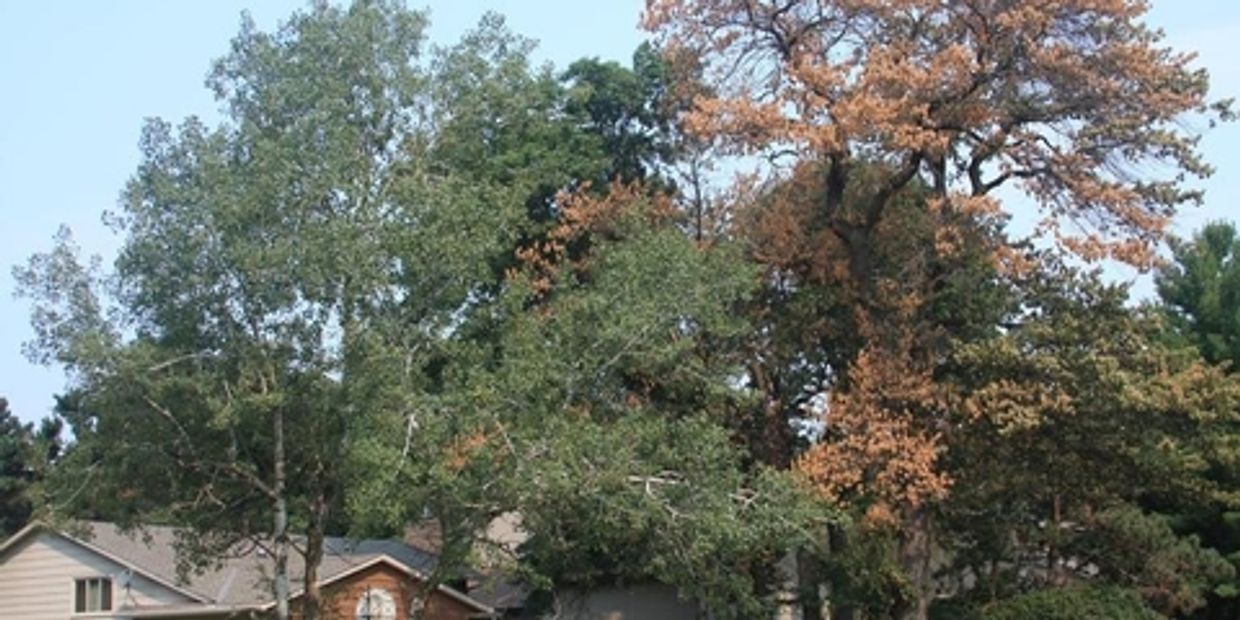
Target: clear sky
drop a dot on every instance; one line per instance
(77, 78)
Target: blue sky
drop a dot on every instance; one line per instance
(78, 78)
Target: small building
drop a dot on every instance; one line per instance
(104, 573)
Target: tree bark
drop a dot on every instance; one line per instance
(280, 525)
(809, 582)
(312, 600)
(1054, 572)
(835, 608)
(915, 557)
(774, 438)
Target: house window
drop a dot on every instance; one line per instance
(376, 604)
(91, 595)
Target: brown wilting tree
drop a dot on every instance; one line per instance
(1077, 100)
(1076, 103)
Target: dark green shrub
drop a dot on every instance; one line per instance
(1074, 603)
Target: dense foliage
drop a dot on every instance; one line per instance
(401, 284)
(1199, 291)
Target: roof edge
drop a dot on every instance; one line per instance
(12, 541)
(38, 525)
(168, 611)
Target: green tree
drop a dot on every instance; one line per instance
(630, 109)
(26, 455)
(15, 472)
(1097, 603)
(1200, 294)
(499, 119)
(1200, 291)
(599, 414)
(268, 262)
(1082, 427)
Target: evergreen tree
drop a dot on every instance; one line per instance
(1200, 291)
(1200, 294)
(15, 471)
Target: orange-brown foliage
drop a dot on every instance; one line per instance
(880, 447)
(583, 214)
(1077, 100)
(462, 451)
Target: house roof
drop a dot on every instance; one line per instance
(479, 606)
(498, 591)
(153, 575)
(243, 579)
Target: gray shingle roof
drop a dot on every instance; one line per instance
(244, 579)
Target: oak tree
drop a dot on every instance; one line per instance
(1077, 104)
(1067, 100)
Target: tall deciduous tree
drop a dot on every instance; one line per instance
(499, 118)
(1065, 101)
(1068, 99)
(266, 263)
(599, 412)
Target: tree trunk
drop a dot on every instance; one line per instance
(280, 525)
(809, 582)
(835, 608)
(916, 549)
(312, 600)
(1055, 574)
(775, 436)
(699, 202)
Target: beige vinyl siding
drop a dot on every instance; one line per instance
(37, 580)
